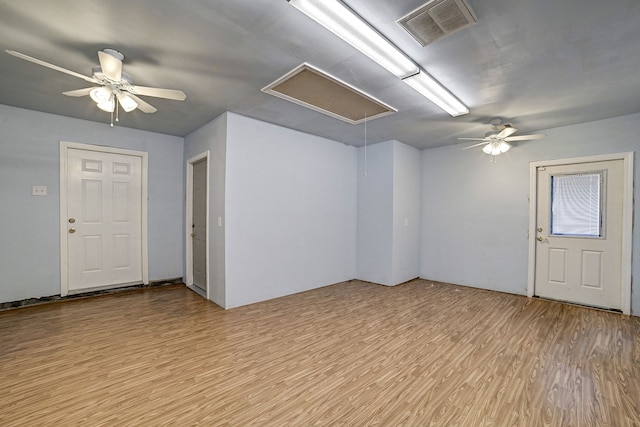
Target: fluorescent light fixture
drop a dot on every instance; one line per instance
(343, 22)
(128, 104)
(436, 93)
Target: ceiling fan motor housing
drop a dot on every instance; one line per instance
(118, 55)
(97, 73)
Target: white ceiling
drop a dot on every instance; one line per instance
(539, 64)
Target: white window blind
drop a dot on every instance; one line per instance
(576, 204)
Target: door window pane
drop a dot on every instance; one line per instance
(576, 204)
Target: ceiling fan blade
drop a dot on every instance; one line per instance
(177, 95)
(525, 137)
(48, 65)
(476, 145)
(79, 92)
(507, 131)
(143, 105)
(111, 66)
(473, 139)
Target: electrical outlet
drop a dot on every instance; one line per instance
(39, 190)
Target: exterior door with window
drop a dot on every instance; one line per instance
(579, 233)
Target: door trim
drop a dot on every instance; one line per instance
(189, 220)
(627, 219)
(64, 146)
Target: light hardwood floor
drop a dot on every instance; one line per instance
(351, 354)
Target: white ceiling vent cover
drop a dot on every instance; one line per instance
(436, 19)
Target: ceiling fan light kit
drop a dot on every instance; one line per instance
(107, 106)
(103, 98)
(346, 24)
(496, 148)
(100, 94)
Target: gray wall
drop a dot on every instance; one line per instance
(293, 203)
(375, 214)
(290, 211)
(213, 137)
(475, 214)
(388, 238)
(29, 225)
(406, 212)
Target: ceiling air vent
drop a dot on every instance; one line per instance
(436, 19)
(315, 89)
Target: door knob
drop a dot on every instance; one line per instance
(539, 229)
(193, 234)
(72, 230)
(539, 239)
(72, 220)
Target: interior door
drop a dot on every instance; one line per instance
(199, 224)
(579, 233)
(104, 236)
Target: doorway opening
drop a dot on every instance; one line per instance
(197, 224)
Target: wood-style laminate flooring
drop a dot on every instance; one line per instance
(350, 354)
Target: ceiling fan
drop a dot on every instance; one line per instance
(497, 140)
(114, 87)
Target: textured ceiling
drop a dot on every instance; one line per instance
(538, 64)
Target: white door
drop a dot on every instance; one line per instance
(199, 224)
(104, 208)
(579, 233)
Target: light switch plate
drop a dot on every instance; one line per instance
(39, 190)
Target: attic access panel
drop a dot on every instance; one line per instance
(319, 91)
(436, 19)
